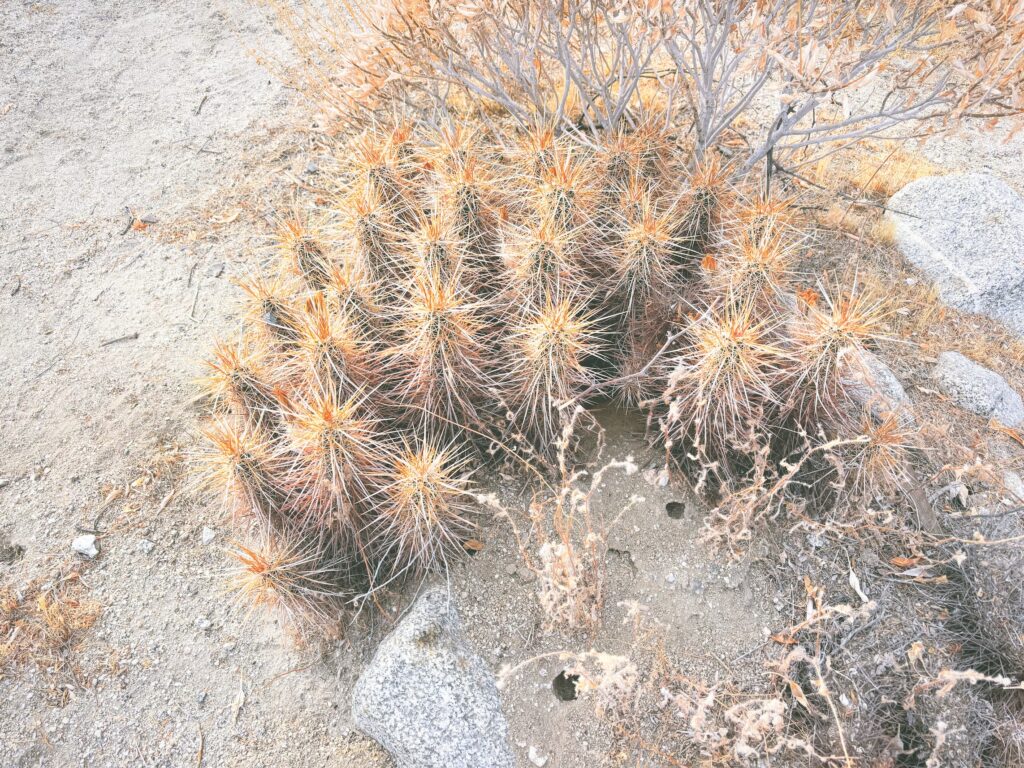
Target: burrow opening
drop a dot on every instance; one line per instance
(564, 686)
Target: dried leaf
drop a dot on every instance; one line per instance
(905, 562)
(238, 702)
(918, 571)
(798, 694)
(809, 296)
(1010, 432)
(916, 652)
(855, 583)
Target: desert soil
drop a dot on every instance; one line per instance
(114, 112)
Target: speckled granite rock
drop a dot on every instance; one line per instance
(873, 386)
(966, 232)
(428, 699)
(977, 389)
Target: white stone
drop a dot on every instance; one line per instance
(427, 698)
(86, 545)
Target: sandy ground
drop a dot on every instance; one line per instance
(113, 109)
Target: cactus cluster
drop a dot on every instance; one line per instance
(453, 292)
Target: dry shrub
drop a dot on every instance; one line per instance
(45, 624)
(660, 717)
(566, 544)
(586, 66)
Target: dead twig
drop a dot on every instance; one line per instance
(195, 300)
(127, 337)
(202, 737)
(131, 221)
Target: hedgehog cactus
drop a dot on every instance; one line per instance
(428, 300)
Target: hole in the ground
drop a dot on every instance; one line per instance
(675, 509)
(10, 553)
(565, 686)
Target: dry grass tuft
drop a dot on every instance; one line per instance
(883, 171)
(45, 624)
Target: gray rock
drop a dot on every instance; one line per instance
(1013, 484)
(966, 232)
(428, 699)
(977, 389)
(86, 545)
(872, 385)
(208, 534)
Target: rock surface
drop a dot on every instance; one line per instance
(428, 699)
(966, 232)
(874, 386)
(977, 389)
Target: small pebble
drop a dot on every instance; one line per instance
(525, 573)
(671, 578)
(536, 758)
(204, 623)
(146, 546)
(208, 534)
(86, 545)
